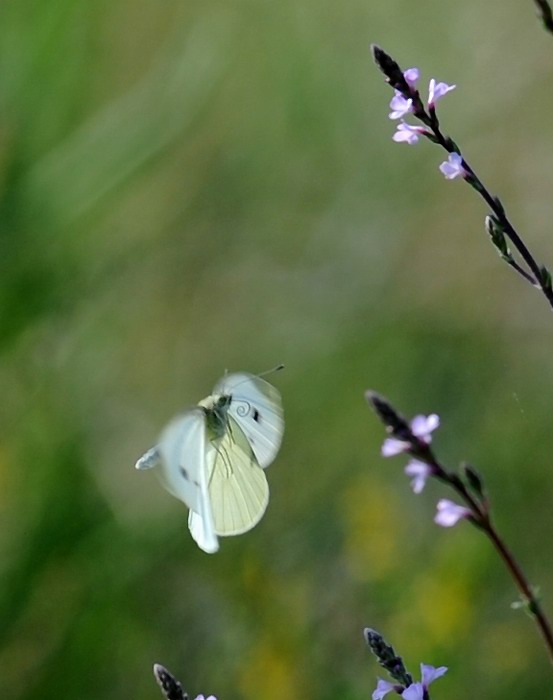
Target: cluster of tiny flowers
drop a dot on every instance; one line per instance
(407, 133)
(416, 691)
(202, 697)
(422, 427)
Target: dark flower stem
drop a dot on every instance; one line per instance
(481, 519)
(497, 208)
(521, 271)
(545, 13)
(538, 276)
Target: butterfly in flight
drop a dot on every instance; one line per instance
(212, 457)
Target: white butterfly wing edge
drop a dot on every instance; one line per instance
(257, 408)
(186, 460)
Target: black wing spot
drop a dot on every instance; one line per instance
(185, 473)
(187, 476)
(256, 415)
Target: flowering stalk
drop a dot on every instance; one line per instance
(545, 13)
(407, 100)
(414, 439)
(395, 667)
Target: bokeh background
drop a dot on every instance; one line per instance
(190, 187)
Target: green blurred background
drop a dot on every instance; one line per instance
(189, 187)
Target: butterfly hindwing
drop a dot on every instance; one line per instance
(201, 521)
(238, 488)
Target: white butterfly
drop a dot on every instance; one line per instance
(212, 457)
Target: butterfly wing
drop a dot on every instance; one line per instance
(201, 523)
(187, 458)
(257, 408)
(238, 488)
(182, 450)
(149, 459)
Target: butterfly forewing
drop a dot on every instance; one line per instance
(187, 458)
(257, 408)
(183, 452)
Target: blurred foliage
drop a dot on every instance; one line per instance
(193, 187)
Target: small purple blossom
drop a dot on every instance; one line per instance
(430, 673)
(449, 513)
(400, 106)
(405, 133)
(416, 691)
(421, 426)
(382, 689)
(453, 167)
(436, 91)
(393, 446)
(411, 76)
(420, 473)
(209, 697)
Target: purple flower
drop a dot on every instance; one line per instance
(453, 167)
(421, 426)
(449, 513)
(411, 76)
(382, 689)
(416, 691)
(430, 673)
(420, 473)
(405, 133)
(400, 105)
(437, 91)
(393, 446)
(209, 697)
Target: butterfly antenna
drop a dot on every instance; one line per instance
(270, 371)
